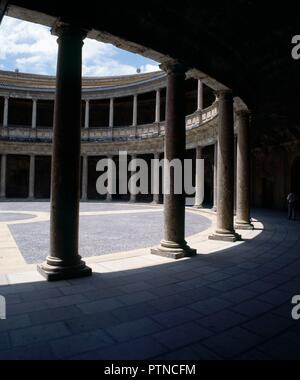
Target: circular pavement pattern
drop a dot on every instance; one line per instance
(9, 217)
(117, 228)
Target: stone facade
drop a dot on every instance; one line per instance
(272, 167)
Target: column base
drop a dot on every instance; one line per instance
(214, 209)
(58, 273)
(156, 203)
(198, 207)
(243, 226)
(174, 251)
(226, 237)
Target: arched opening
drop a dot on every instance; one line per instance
(295, 179)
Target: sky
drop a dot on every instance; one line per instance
(31, 48)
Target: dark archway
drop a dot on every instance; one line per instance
(295, 179)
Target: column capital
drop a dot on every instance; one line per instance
(174, 67)
(224, 94)
(243, 112)
(65, 30)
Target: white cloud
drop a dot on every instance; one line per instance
(149, 68)
(28, 47)
(31, 48)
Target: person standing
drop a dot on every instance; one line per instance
(291, 206)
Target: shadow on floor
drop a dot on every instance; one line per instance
(235, 304)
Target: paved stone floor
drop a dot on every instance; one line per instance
(134, 227)
(231, 301)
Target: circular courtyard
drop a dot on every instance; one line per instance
(105, 228)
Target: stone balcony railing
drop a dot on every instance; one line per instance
(25, 133)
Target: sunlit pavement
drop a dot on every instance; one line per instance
(231, 301)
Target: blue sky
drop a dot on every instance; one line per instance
(31, 48)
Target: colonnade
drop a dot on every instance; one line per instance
(5, 121)
(64, 260)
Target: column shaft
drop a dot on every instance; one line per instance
(31, 177)
(174, 244)
(157, 108)
(156, 176)
(84, 189)
(199, 197)
(111, 179)
(87, 115)
(235, 174)
(225, 230)
(243, 172)
(5, 112)
(135, 109)
(111, 113)
(133, 188)
(3, 176)
(215, 205)
(200, 95)
(64, 260)
(34, 113)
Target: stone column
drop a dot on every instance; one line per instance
(156, 197)
(199, 197)
(5, 112)
(3, 176)
(34, 113)
(225, 229)
(111, 113)
(64, 261)
(84, 189)
(174, 244)
(133, 189)
(200, 95)
(157, 108)
(243, 172)
(87, 114)
(215, 205)
(110, 173)
(31, 177)
(135, 109)
(235, 174)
